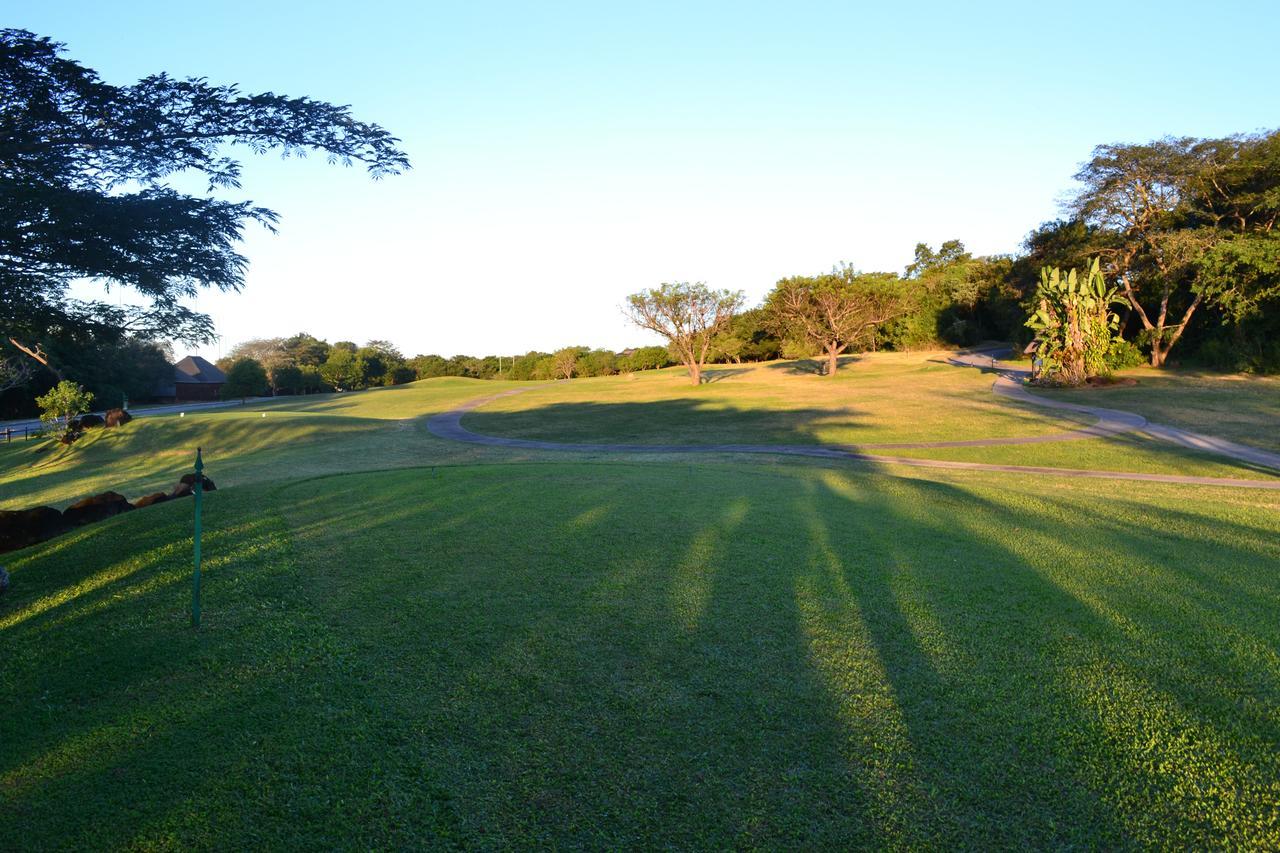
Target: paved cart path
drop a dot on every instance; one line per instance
(1008, 383)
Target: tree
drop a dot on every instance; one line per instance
(344, 370)
(245, 378)
(688, 315)
(566, 360)
(286, 379)
(305, 350)
(375, 366)
(1185, 222)
(83, 192)
(835, 311)
(429, 366)
(269, 352)
(646, 358)
(61, 405)
(1072, 321)
(597, 362)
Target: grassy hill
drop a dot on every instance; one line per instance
(408, 641)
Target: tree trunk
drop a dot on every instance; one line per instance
(833, 359)
(695, 372)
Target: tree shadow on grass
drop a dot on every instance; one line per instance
(619, 655)
(813, 366)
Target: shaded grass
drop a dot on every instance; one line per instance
(668, 655)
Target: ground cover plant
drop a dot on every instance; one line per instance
(695, 655)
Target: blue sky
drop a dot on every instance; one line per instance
(567, 154)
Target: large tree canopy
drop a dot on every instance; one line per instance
(835, 311)
(1181, 223)
(83, 165)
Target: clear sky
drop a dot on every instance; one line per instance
(567, 154)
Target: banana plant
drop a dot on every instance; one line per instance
(1073, 325)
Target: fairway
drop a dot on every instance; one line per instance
(495, 646)
(602, 655)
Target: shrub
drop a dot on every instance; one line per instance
(1123, 354)
(59, 407)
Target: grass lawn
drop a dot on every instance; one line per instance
(670, 655)
(874, 398)
(299, 437)
(411, 641)
(1239, 408)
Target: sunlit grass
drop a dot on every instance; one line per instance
(611, 655)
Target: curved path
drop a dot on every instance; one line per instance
(448, 425)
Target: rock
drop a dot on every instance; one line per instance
(96, 508)
(153, 498)
(190, 480)
(4, 581)
(69, 436)
(181, 490)
(117, 417)
(88, 421)
(22, 527)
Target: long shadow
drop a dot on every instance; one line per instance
(687, 420)
(621, 655)
(998, 662)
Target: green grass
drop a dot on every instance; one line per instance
(299, 437)
(662, 655)
(881, 397)
(413, 642)
(877, 398)
(1238, 408)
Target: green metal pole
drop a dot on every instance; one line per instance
(198, 486)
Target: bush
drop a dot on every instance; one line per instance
(59, 407)
(1122, 354)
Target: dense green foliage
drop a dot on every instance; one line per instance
(85, 196)
(1188, 228)
(1073, 324)
(245, 378)
(62, 404)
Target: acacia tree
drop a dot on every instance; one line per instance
(1184, 222)
(565, 360)
(83, 165)
(835, 311)
(688, 315)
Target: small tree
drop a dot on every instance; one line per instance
(835, 311)
(565, 361)
(688, 315)
(64, 402)
(1072, 321)
(245, 378)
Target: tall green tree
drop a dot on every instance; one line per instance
(83, 191)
